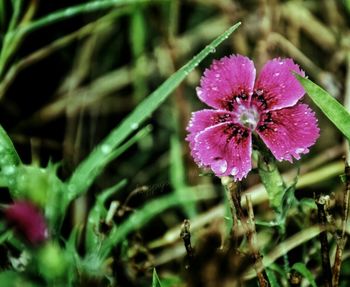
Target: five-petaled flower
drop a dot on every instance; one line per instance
(221, 138)
(27, 220)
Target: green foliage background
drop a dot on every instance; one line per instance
(86, 85)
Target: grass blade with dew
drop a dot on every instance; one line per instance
(109, 155)
(86, 171)
(328, 105)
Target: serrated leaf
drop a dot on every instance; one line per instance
(303, 270)
(335, 111)
(8, 152)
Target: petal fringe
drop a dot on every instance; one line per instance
(290, 132)
(226, 79)
(225, 148)
(279, 87)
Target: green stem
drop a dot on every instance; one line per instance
(272, 181)
(16, 6)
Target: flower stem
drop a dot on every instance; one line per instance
(272, 181)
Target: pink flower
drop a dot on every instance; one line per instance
(27, 220)
(221, 138)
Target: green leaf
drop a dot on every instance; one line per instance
(155, 279)
(272, 278)
(177, 176)
(303, 270)
(273, 183)
(347, 4)
(328, 105)
(8, 153)
(87, 171)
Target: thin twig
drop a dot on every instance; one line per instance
(326, 266)
(185, 234)
(258, 264)
(341, 240)
(248, 224)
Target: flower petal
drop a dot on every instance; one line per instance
(28, 220)
(289, 132)
(203, 119)
(278, 85)
(226, 149)
(225, 80)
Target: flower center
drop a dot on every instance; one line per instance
(248, 117)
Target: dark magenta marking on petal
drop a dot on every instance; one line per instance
(226, 149)
(290, 132)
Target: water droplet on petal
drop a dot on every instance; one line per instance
(219, 166)
(299, 150)
(276, 74)
(234, 171)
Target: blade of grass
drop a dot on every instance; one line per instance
(15, 37)
(86, 171)
(73, 11)
(328, 105)
(16, 7)
(303, 270)
(177, 176)
(155, 279)
(91, 28)
(2, 17)
(137, 41)
(109, 155)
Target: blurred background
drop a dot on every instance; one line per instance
(71, 81)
